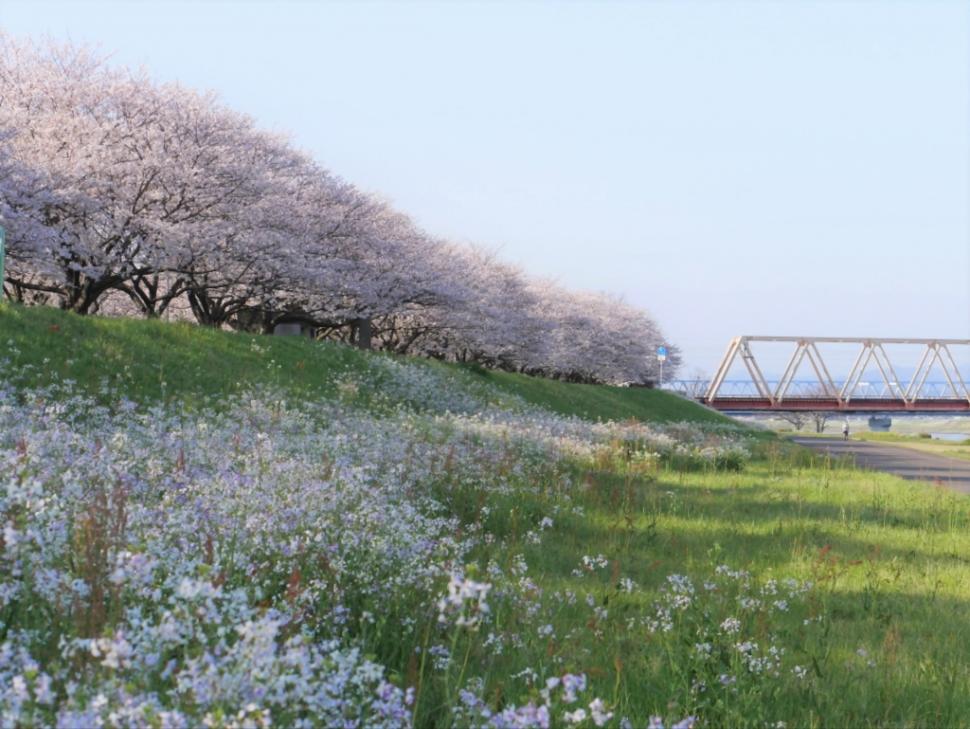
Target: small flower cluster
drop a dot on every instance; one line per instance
(219, 566)
(727, 639)
(465, 602)
(555, 701)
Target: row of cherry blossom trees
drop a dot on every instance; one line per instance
(122, 195)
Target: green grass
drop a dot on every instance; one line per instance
(600, 402)
(157, 360)
(889, 560)
(162, 361)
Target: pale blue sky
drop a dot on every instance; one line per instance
(734, 167)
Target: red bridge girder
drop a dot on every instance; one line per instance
(862, 405)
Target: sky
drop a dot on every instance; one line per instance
(793, 168)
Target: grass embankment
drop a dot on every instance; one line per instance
(596, 402)
(879, 639)
(157, 361)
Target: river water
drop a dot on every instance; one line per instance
(955, 437)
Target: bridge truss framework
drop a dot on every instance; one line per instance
(842, 396)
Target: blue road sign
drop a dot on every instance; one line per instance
(661, 351)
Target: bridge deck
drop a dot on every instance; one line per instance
(861, 405)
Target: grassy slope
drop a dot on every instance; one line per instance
(160, 360)
(597, 402)
(889, 556)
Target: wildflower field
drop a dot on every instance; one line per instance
(398, 543)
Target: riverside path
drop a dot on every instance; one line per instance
(899, 461)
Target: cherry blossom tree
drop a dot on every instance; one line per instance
(147, 185)
(23, 199)
(599, 338)
(112, 185)
(68, 118)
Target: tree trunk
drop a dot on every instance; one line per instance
(362, 331)
(80, 298)
(207, 311)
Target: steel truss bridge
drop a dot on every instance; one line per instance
(851, 394)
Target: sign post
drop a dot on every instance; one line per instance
(661, 357)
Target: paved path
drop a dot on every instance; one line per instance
(904, 462)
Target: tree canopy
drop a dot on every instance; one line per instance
(121, 195)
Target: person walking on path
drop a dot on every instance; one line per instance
(845, 430)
